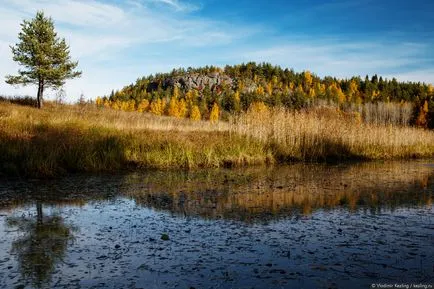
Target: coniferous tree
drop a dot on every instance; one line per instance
(44, 55)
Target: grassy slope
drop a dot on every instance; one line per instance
(64, 139)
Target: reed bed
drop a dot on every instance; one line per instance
(83, 138)
(322, 134)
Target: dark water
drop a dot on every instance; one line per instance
(300, 226)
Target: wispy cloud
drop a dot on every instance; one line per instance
(107, 35)
(178, 5)
(343, 59)
(117, 43)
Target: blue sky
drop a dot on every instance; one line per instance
(118, 41)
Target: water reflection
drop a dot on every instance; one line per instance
(285, 191)
(42, 244)
(244, 193)
(348, 228)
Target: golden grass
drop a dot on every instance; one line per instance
(83, 138)
(325, 133)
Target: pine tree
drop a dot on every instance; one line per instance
(44, 55)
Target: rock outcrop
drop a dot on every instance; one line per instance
(199, 82)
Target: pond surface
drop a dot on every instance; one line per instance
(298, 226)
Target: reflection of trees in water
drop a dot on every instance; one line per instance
(43, 245)
(286, 190)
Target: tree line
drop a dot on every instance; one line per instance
(268, 84)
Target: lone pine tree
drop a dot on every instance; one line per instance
(44, 55)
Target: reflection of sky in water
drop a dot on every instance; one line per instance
(117, 239)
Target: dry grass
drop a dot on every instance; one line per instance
(83, 138)
(325, 134)
(64, 139)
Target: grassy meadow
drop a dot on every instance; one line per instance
(84, 138)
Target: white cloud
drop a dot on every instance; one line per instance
(342, 59)
(117, 44)
(178, 5)
(78, 13)
(102, 35)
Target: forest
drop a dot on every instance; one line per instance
(216, 93)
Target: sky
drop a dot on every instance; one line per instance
(117, 42)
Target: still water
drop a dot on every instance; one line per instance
(297, 226)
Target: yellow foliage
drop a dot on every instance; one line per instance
(177, 108)
(422, 117)
(307, 78)
(425, 106)
(195, 113)
(131, 105)
(182, 108)
(375, 94)
(258, 107)
(173, 107)
(320, 89)
(260, 90)
(107, 103)
(189, 95)
(240, 85)
(99, 101)
(237, 96)
(353, 91)
(143, 105)
(157, 107)
(117, 104)
(311, 93)
(336, 91)
(124, 105)
(299, 90)
(215, 113)
(269, 88)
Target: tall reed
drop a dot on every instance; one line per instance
(327, 133)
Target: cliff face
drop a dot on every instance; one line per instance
(198, 81)
(214, 81)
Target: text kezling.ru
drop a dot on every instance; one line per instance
(402, 285)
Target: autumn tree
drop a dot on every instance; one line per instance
(422, 117)
(215, 113)
(44, 56)
(195, 113)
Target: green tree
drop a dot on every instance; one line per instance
(44, 55)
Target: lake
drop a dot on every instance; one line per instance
(295, 226)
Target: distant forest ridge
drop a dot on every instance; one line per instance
(234, 89)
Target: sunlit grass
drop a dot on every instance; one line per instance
(83, 138)
(76, 139)
(322, 134)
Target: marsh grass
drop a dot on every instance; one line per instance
(63, 139)
(327, 134)
(82, 138)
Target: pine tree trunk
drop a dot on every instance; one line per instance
(40, 93)
(39, 213)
